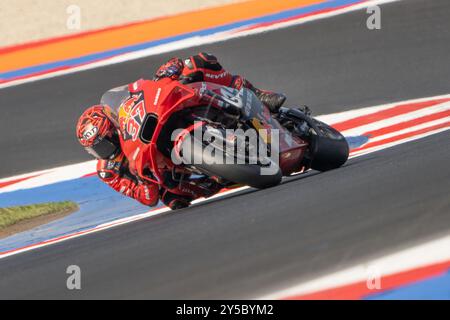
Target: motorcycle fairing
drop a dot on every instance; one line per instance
(163, 98)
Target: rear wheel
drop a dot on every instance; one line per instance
(329, 148)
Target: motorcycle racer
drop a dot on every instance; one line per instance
(97, 132)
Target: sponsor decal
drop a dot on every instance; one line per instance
(158, 94)
(233, 96)
(136, 153)
(90, 132)
(248, 105)
(131, 116)
(146, 193)
(217, 76)
(187, 190)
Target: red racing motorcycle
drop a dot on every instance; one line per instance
(202, 132)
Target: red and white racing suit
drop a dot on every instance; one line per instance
(117, 175)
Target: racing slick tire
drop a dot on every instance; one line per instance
(329, 148)
(229, 168)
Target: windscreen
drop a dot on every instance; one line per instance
(244, 99)
(115, 97)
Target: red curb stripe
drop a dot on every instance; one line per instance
(37, 43)
(403, 136)
(360, 290)
(407, 124)
(385, 114)
(55, 70)
(11, 182)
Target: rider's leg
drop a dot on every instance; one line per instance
(272, 100)
(206, 67)
(175, 201)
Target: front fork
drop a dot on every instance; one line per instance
(299, 123)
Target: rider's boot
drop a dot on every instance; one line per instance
(272, 100)
(174, 201)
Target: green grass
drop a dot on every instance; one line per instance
(13, 215)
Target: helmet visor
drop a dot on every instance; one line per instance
(103, 149)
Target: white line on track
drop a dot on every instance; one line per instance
(45, 177)
(363, 111)
(397, 119)
(396, 143)
(195, 42)
(411, 129)
(430, 253)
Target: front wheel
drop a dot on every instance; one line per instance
(198, 154)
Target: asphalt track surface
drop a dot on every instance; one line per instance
(252, 243)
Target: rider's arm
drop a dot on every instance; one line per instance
(205, 67)
(197, 68)
(115, 173)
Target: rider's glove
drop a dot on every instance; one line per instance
(147, 194)
(171, 69)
